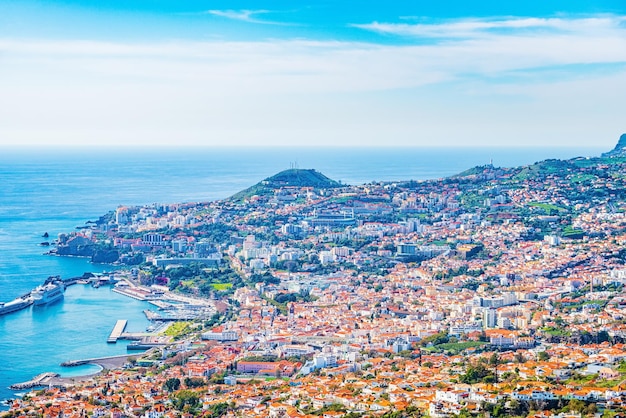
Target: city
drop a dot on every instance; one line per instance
(496, 292)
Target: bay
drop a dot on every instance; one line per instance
(56, 190)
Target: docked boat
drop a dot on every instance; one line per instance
(48, 293)
(14, 305)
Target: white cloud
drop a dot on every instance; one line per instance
(245, 16)
(481, 28)
(319, 92)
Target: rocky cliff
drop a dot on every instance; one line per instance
(620, 148)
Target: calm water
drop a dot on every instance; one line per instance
(54, 191)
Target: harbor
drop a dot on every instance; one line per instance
(141, 340)
(50, 291)
(54, 379)
(166, 308)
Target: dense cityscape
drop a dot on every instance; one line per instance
(496, 292)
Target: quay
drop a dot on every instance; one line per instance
(119, 328)
(105, 362)
(132, 293)
(39, 380)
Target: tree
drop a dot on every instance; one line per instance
(218, 409)
(172, 384)
(194, 382)
(493, 360)
(186, 400)
(543, 356)
(576, 405)
(477, 373)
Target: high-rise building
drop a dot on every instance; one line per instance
(490, 317)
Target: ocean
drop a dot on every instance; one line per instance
(57, 190)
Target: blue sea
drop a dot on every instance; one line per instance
(56, 190)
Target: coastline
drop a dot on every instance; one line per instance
(82, 321)
(54, 379)
(87, 376)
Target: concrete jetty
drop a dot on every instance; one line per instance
(119, 328)
(39, 380)
(111, 362)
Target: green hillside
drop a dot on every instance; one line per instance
(294, 177)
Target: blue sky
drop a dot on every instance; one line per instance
(399, 73)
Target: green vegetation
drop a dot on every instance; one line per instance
(558, 332)
(408, 412)
(195, 382)
(342, 200)
(267, 278)
(478, 373)
(479, 169)
(186, 400)
(456, 348)
(289, 178)
(472, 200)
(178, 329)
(197, 278)
(545, 168)
(171, 384)
(435, 339)
(582, 178)
(334, 407)
(580, 379)
(549, 208)
(218, 409)
(570, 232)
(221, 286)
(281, 300)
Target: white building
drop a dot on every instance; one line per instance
(221, 336)
(489, 318)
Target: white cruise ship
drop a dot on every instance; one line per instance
(14, 305)
(47, 293)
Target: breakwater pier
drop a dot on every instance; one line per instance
(39, 380)
(105, 362)
(118, 329)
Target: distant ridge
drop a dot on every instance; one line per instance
(293, 177)
(552, 165)
(620, 148)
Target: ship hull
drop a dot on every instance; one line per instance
(47, 294)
